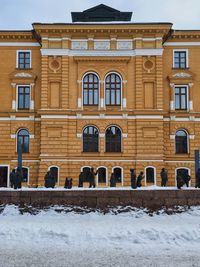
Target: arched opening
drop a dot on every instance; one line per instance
(181, 141)
(55, 172)
(90, 139)
(102, 176)
(150, 175)
(90, 90)
(183, 173)
(118, 174)
(25, 173)
(113, 139)
(113, 86)
(86, 171)
(23, 140)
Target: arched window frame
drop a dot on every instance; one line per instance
(155, 177)
(17, 134)
(106, 175)
(121, 89)
(85, 167)
(83, 138)
(121, 150)
(122, 173)
(25, 167)
(188, 149)
(84, 76)
(55, 166)
(189, 172)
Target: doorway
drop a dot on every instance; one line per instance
(4, 176)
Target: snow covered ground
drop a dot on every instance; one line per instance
(59, 238)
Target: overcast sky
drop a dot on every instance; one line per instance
(20, 14)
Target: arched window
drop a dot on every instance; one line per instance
(113, 139)
(181, 141)
(55, 171)
(86, 171)
(23, 139)
(102, 179)
(150, 175)
(113, 89)
(90, 89)
(118, 174)
(90, 139)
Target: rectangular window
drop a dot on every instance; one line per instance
(180, 59)
(181, 98)
(23, 97)
(23, 59)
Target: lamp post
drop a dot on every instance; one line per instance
(196, 158)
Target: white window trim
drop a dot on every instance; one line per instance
(99, 101)
(188, 143)
(8, 174)
(187, 92)
(17, 87)
(113, 125)
(58, 172)
(122, 173)
(91, 125)
(113, 72)
(155, 177)
(17, 58)
(189, 172)
(97, 180)
(187, 58)
(16, 136)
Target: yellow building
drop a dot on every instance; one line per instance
(100, 92)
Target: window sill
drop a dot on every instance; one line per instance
(187, 68)
(23, 68)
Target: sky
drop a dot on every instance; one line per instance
(20, 14)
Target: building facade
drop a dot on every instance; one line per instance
(95, 93)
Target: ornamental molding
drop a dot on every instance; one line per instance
(101, 45)
(79, 45)
(182, 75)
(23, 75)
(124, 45)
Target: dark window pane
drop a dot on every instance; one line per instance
(150, 175)
(113, 90)
(23, 138)
(90, 90)
(181, 142)
(90, 139)
(118, 174)
(24, 60)
(102, 175)
(113, 139)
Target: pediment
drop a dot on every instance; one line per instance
(23, 75)
(181, 76)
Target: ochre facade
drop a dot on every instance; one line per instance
(61, 55)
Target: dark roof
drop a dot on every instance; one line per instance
(101, 13)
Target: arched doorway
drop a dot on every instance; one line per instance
(102, 176)
(183, 172)
(86, 171)
(118, 173)
(4, 176)
(150, 176)
(55, 172)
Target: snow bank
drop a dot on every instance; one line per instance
(127, 239)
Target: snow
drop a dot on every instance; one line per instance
(60, 237)
(74, 188)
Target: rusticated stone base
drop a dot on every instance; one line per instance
(152, 199)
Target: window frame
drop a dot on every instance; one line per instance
(188, 149)
(58, 178)
(17, 96)
(120, 139)
(122, 173)
(187, 97)
(98, 100)
(145, 173)
(17, 134)
(186, 58)
(98, 144)
(105, 89)
(17, 59)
